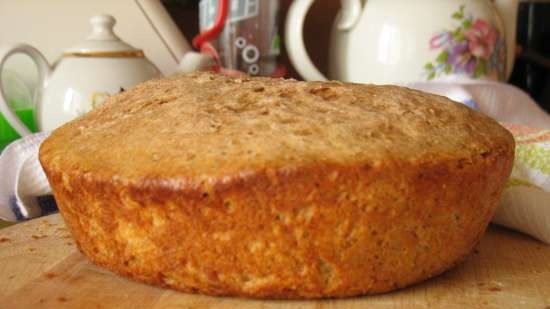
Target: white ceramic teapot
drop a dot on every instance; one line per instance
(396, 41)
(82, 79)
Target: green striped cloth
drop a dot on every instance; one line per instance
(525, 203)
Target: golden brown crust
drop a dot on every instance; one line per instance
(200, 127)
(358, 220)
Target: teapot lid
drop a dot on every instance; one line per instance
(103, 42)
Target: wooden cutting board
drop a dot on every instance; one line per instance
(40, 267)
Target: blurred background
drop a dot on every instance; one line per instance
(459, 42)
(531, 70)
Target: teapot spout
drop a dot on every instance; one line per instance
(508, 11)
(193, 61)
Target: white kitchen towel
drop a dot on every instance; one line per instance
(525, 202)
(503, 102)
(24, 190)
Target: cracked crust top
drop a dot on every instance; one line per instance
(202, 126)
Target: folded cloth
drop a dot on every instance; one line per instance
(503, 102)
(525, 204)
(24, 190)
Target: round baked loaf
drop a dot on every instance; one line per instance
(276, 188)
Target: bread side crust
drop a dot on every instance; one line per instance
(298, 232)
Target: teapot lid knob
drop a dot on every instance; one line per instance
(103, 41)
(102, 27)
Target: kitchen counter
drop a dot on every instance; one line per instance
(40, 267)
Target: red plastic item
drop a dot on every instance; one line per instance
(213, 32)
(201, 42)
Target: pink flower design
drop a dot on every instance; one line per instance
(481, 39)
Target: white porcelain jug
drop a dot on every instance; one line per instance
(397, 41)
(82, 79)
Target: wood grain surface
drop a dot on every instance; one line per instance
(40, 267)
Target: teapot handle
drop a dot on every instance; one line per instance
(294, 38)
(43, 72)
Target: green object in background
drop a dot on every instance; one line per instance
(4, 224)
(7, 133)
(19, 99)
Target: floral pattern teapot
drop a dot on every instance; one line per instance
(397, 41)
